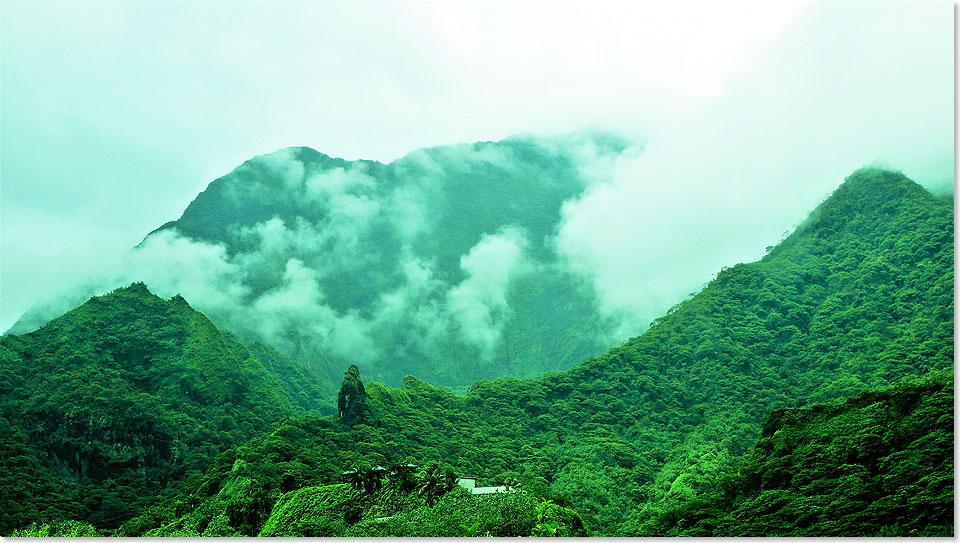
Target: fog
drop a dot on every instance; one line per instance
(392, 267)
(848, 85)
(740, 140)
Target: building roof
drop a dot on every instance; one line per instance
(489, 489)
(470, 483)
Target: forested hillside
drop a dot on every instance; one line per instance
(879, 464)
(859, 297)
(106, 409)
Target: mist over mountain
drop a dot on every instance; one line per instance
(442, 264)
(710, 190)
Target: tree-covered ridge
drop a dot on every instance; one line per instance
(441, 264)
(860, 296)
(108, 407)
(879, 464)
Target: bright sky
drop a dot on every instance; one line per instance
(115, 115)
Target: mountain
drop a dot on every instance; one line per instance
(108, 407)
(439, 264)
(879, 464)
(859, 297)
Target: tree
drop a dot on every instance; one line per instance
(436, 481)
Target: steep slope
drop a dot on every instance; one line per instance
(298, 381)
(859, 297)
(440, 264)
(879, 464)
(109, 406)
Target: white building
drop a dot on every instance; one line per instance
(470, 483)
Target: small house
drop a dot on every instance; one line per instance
(470, 483)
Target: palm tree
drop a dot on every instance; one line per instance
(436, 481)
(374, 479)
(365, 478)
(352, 476)
(402, 474)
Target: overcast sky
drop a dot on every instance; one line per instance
(115, 115)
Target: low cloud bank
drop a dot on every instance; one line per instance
(418, 262)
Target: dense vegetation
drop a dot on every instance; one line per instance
(859, 297)
(393, 502)
(879, 464)
(105, 409)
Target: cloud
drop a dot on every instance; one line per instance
(847, 85)
(112, 126)
(167, 262)
(297, 293)
(285, 166)
(419, 284)
(337, 181)
(596, 155)
(343, 273)
(479, 303)
(408, 211)
(173, 264)
(724, 172)
(293, 314)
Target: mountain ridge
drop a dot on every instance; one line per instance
(652, 424)
(129, 391)
(859, 296)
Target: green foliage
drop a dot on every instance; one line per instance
(651, 425)
(555, 521)
(392, 509)
(235, 502)
(298, 381)
(436, 481)
(457, 514)
(60, 528)
(880, 461)
(312, 512)
(107, 408)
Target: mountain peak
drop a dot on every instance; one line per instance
(870, 199)
(872, 181)
(137, 287)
